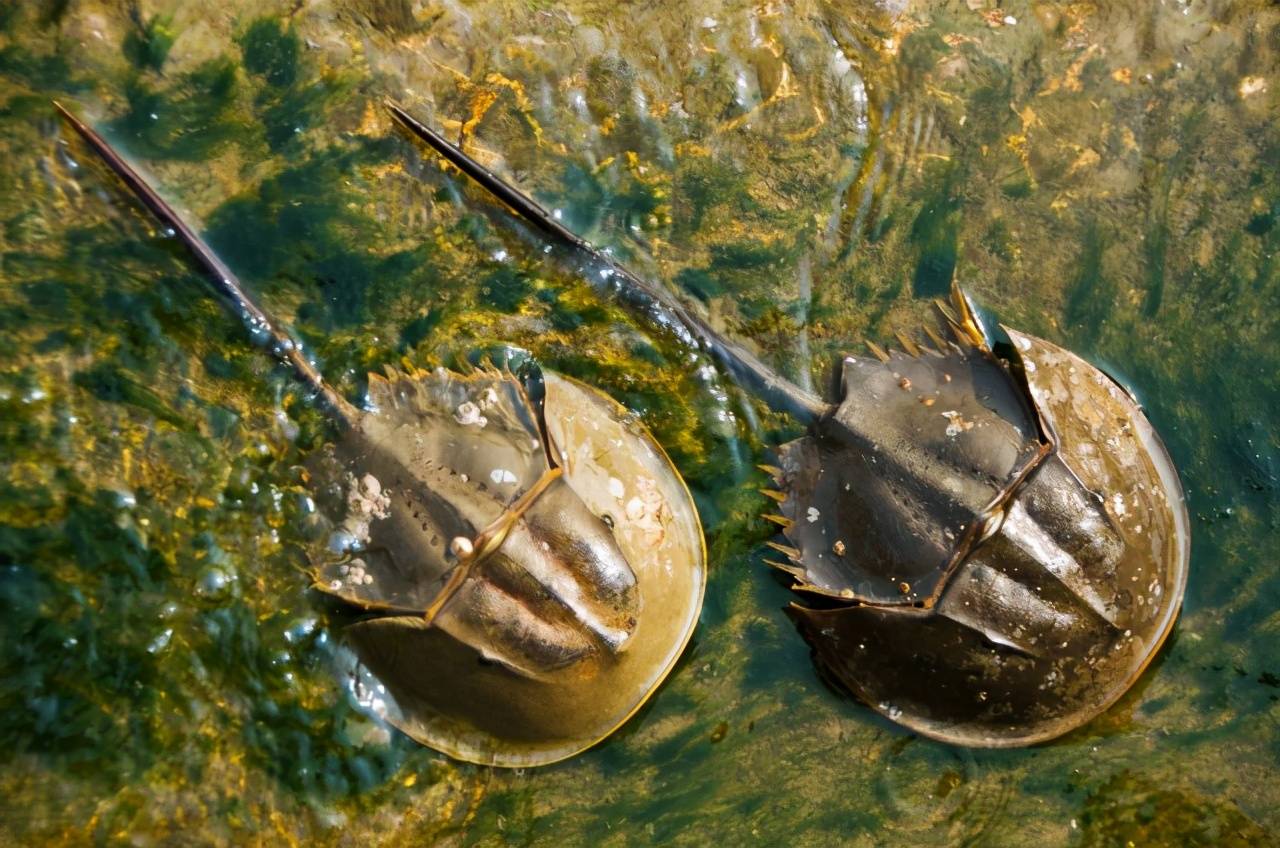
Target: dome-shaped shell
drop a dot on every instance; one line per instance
(532, 603)
(1053, 614)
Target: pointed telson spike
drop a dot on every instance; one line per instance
(774, 494)
(908, 344)
(878, 351)
(780, 520)
(786, 550)
(242, 305)
(780, 394)
(520, 203)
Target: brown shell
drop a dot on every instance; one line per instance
(888, 489)
(998, 548)
(1068, 583)
(588, 589)
(513, 609)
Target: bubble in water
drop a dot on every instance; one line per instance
(215, 583)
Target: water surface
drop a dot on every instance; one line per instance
(1104, 175)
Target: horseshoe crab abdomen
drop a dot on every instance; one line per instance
(441, 457)
(511, 609)
(1052, 616)
(557, 590)
(453, 463)
(1030, 636)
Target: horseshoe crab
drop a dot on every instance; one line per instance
(994, 545)
(521, 563)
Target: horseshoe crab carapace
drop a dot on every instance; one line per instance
(521, 563)
(994, 547)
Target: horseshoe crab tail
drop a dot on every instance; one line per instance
(261, 325)
(661, 306)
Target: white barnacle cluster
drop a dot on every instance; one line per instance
(355, 573)
(471, 413)
(892, 711)
(1051, 680)
(468, 415)
(366, 501)
(503, 477)
(646, 510)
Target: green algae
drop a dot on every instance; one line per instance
(271, 51)
(147, 45)
(189, 118)
(164, 674)
(1132, 810)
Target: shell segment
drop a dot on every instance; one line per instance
(573, 599)
(480, 426)
(1050, 618)
(440, 457)
(1137, 566)
(892, 488)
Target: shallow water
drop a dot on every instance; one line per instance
(1103, 175)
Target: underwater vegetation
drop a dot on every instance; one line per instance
(1101, 178)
